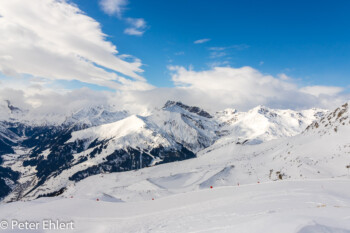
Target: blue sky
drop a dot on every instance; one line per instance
(307, 40)
(212, 54)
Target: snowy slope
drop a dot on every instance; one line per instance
(262, 124)
(320, 206)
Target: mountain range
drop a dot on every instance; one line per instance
(47, 155)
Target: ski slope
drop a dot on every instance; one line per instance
(321, 206)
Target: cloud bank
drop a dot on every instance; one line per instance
(245, 88)
(214, 89)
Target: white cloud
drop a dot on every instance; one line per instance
(214, 89)
(322, 90)
(137, 23)
(137, 26)
(284, 77)
(51, 104)
(113, 7)
(55, 40)
(133, 32)
(44, 105)
(201, 41)
(244, 88)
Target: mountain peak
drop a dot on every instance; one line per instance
(261, 109)
(336, 119)
(170, 105)
(96, 115)
(11, 107)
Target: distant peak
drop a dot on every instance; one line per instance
(261, 109)
(170, 104)
(11, 107)
(229, 111)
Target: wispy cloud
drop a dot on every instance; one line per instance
(113, 7)
(179, 53)
(137, 26)
(217, 48)
(322, 90)
(201, 41)
(218, 64)
(237, 47)
(217, 54)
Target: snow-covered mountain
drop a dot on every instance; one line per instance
(311, 155)
(295, 183)
(338, 119)
(95, 140)
(95, 116)
(262, 124)
(42, 159)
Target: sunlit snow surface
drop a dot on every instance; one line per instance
(321, 206)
